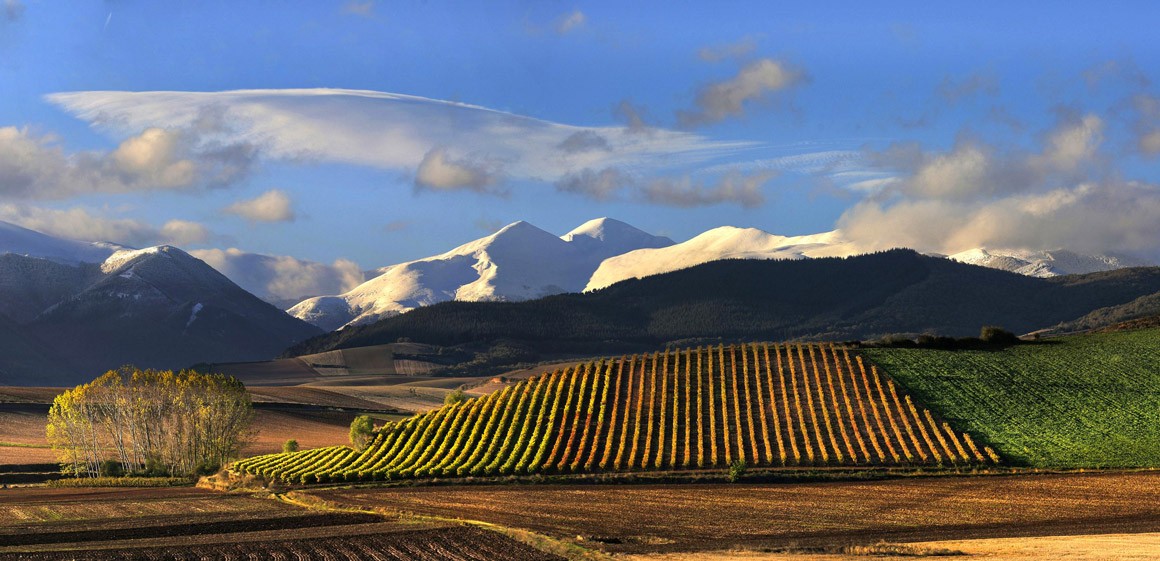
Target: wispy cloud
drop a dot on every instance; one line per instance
(685, 191)
(13, 10)
(739, 49)
(754, 83)
(362, 8)
(570, 21)
(973, 85)
(399, 132)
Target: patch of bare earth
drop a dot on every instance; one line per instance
(190, 523)
(674, 518)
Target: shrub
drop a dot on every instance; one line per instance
(362, 428)
(737, 470)
(453, 397)
(290, 446)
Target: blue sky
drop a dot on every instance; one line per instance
(935, 125)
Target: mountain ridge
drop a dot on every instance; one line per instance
(861, 297)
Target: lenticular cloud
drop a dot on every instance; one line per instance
(391, 131)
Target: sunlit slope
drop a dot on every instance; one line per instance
(1081, 401)
(766, 405)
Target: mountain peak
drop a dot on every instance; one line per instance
(611, 230)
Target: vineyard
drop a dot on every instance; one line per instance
(1083, 401)
(762, 404)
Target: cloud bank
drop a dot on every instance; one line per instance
(1060, 195)
(282, 278)
(81, 224)
(153, 159)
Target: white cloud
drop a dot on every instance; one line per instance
(729, 98)
(272, 206)
(1106, 217)
(393, 131)
(1071, 145)
(36, 167)
(81, 224)
(570, 22)
(441, 172)
(976, 195)
(184, 232)
(283, 278)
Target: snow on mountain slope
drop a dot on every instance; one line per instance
(519, 262)
(22, 241)
(726, 242)
(1043, 263)
(161, 307)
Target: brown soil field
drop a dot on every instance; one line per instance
(310, 396)
(311, 429)
(20, 394)
(190, 523)
(1098, 547)
(672, 518)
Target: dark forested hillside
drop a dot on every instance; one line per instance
(897, 291)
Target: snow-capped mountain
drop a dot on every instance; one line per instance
(22, 241)
(1043, 263)
(157, 307)
(519, 262)
(725, 242)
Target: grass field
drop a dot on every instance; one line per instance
(760, 404)
(1080, 401)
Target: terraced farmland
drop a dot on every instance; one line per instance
(762, 404)
(1082, 401)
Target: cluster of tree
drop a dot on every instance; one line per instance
(990, 337)
(150, 422)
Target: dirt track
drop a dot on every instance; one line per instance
(697, 517)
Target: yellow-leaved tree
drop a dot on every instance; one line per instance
(150, 422)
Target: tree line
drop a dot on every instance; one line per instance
(150, 422)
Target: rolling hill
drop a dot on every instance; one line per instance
(861, 297)
(764, 405)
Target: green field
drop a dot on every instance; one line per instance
(1080, 401)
